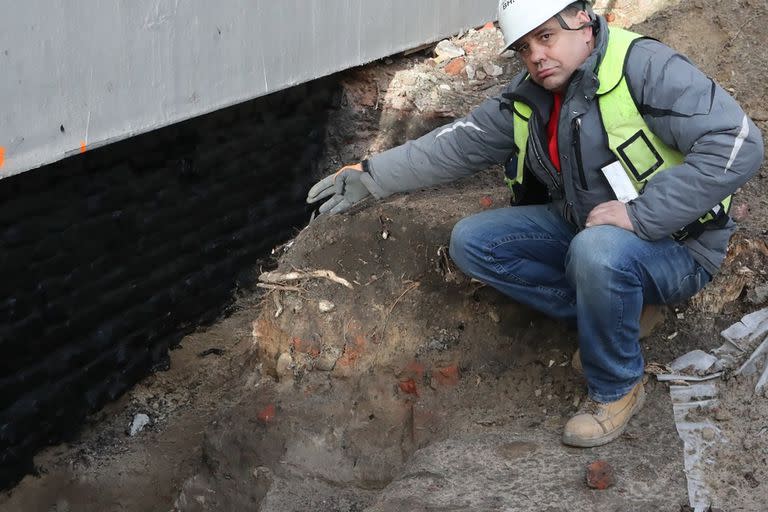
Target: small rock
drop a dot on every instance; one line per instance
(600, 475)
(486, 202)
(327, 359)
(494, 316)
(448, 50)
(283, 366)
(445, 87)
(326, 306)
(470, 71)
(409, 79)
(492, 69)
(140, 421)
(480, 75)
(537, 393)
(740, 212)
(708, 434)
(723, 415)
(388, 61)
(758, 295)
(455, 67)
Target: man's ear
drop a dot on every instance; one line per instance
(584, 20)
(583, 17)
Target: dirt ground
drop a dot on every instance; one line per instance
(416, 389)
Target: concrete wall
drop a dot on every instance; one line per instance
(78, 74)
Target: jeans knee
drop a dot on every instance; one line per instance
(595, 253)
(461, 240)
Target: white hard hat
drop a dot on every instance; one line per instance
(518, 17)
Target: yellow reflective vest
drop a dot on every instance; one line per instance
(641, 153)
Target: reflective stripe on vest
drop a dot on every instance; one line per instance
(641, 153)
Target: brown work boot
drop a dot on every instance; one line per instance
(598, 423)
(651, 317)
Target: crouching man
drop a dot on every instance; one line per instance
(621, 156)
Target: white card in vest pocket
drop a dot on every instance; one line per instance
(619, 182)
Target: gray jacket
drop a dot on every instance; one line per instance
(681, 105)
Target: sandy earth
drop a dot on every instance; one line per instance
(420, 390)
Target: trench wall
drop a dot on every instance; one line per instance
(109, 258)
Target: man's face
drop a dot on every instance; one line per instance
(552, 53)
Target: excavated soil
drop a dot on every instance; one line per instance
(416, 389)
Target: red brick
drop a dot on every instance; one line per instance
(600, 475)
(267, 414)
(408, 386)
(456, 66)
(448, 376)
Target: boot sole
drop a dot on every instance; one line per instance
(578, 442)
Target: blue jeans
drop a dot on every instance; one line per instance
(597, 279)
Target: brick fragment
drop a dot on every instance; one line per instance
(600, 475)
(448, 376)
(408, 386)
(456, 66)
(267, 414)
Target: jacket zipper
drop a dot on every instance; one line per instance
(577, 149)
(548, 168)
(568, 211)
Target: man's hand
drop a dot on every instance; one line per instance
(346, 187)
(613, 213)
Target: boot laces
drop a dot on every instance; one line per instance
(592, 407)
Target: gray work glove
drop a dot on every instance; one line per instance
(348, 186)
